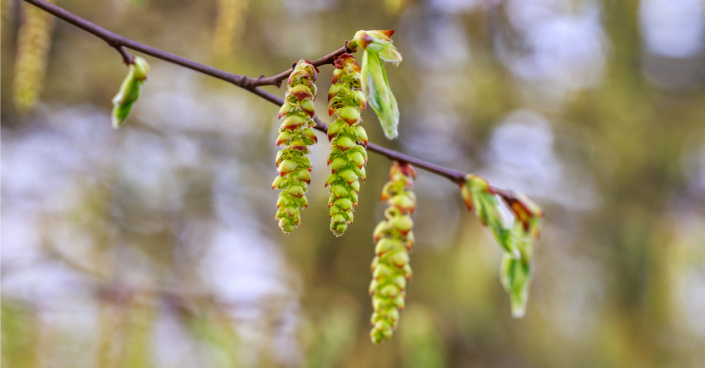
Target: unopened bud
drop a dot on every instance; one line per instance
(301, 92)
(286, 167)
(403, 223)
(292, 122)
(344, 143)
(350, 114)
(386, 244)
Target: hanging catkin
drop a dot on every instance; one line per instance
(390, 267)
(33, 43)
(348, 140)
(295, 134)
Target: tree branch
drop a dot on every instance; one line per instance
(251, 84)
(277, 80)
(126, 56)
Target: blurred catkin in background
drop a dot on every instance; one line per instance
(33, 45)
(229, 26)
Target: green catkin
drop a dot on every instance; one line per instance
(394, 238)
(348, 140)
(295, 135)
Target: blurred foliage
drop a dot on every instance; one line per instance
(154, 246)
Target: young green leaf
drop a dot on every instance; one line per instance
(377, 49)
(481, 198)
(516, 241)
(129, 91)
(515, 272)
(515, 276)
(379, 94)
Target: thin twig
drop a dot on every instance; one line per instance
(126, 56)
(277, 80)
(248, 83)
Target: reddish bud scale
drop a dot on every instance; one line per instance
(525, 210)
(364, 38)
(295, 135)
(394, 240)
(348, 140)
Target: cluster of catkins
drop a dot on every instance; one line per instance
(348, 140)
(295, 134)
(352, 89)
(390, 267)
(347, 98)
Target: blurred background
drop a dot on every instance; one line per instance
(156, 246)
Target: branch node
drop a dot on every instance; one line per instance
(127, 58)
(247, 83)
(349, 50)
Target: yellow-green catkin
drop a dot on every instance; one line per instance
(348, 140)
(295, 135)
(394, 240)
(229, 25)
(6, 8)
(33, 44)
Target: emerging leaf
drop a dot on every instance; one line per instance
(129, 91)
(517, 241)
(516, 271)
(515, 276)
(481, 198)
(525, 211)
(378, 42)
(378, 48)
